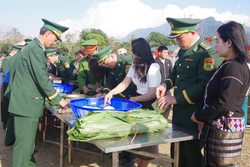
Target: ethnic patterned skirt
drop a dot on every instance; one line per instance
(222, 148)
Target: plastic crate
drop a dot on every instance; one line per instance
(63, 88)
(81, 107)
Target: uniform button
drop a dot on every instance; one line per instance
(179, 64)
(36, 98)
(187, 66)
(178, 76)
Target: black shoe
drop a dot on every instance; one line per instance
(128, 162)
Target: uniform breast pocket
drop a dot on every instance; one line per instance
(188, 65)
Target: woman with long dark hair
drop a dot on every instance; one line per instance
(145, 74)
(225, 92)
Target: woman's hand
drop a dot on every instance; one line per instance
(132, 98)
(107, 98)
(194, 119)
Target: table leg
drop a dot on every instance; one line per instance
(61, 143)
(69, 149)
(176, 154)
(115, 159)
(45, 127)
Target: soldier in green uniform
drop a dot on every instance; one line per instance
(195, 66)
(6, 61)
(10, 136)
(88, 84)
(64, 66)
(118, 67)
(30, 88)
(5, 100)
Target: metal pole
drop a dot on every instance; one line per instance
(115, 159)
(61, 143)
(176, 154)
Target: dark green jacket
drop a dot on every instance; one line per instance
(117, 75)
(84, 76)
(191, 72)
(5, 64)
(32, 84)
(12, 66)
(65, 68)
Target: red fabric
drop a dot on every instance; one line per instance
(156, 52)
(90, 48)
(249, 50)
(209, 40)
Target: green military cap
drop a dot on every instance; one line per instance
(102, 54)
(181, 25)
(90, 42)
(55, 28)
(90, 46)
(17, 47)
(50, 51)
(27, 40)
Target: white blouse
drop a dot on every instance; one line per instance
(153, 78)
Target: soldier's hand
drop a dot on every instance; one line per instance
(107, 98)
(75, 72)
(64, 103)
(85, 89)
(165, 101)
(98, 90)
(160, 90)
(98, 95)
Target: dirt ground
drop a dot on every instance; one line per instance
(49, 156)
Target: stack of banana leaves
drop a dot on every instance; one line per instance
(110, 124)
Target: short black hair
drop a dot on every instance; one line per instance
(96, 70)
(43, 30)
(161, 48)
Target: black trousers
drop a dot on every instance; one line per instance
(4, 105)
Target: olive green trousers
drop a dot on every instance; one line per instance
(25, 133)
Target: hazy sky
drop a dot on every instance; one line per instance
(117, 18)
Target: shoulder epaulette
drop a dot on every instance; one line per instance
(205, 45)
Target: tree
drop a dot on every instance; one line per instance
(100, 32)
(9, 38)
(85, 32)
(127, 46)
(69, 48)
(13, 35)
(156, 39)
(97, 34)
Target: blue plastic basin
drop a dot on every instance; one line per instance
(63, 88)
(81, 107)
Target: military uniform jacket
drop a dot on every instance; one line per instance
(117, 75)
(65, 68)
(31, 84)
(226, 91)
(5, 64)
(12, 66)
(84, 76)
(165, 68)
(191, 72)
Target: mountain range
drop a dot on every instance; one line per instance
(206, 28)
